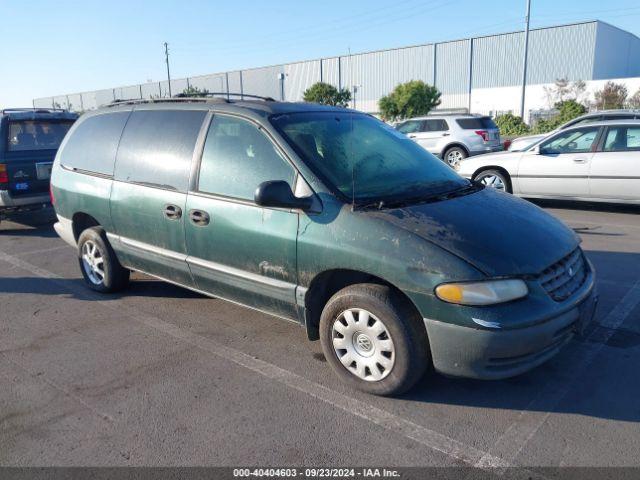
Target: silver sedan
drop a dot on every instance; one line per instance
(595, 162)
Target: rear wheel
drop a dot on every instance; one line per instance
(454, 155)
(373, 340)
(98, 262)
(495, 179)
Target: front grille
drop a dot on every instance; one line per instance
(564, 278)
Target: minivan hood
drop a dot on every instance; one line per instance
(497, 233)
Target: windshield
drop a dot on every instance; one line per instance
(36, 135)
(365, 159)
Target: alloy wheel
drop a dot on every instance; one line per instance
(493, 181)
(93, 262)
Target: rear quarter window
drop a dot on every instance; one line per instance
(157, 147)
(92, 146)
(477, 123)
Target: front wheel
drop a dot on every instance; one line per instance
(373, 340)
(98, 262)
(495, 179)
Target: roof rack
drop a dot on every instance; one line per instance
(37, 110)
(230, 94)
(205, 97)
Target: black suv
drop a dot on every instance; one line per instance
(29, 140)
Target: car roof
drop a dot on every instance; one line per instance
(432, 116)
(603, 123)
(38, 114)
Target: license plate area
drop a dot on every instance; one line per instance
(43, 170)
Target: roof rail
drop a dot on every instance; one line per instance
(37, 110)
(205, 97)
(229, 94)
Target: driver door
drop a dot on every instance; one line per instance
(560, 166)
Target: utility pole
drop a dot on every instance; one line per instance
(524, 61)
(166, 58)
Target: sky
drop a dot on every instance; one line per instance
(62, 46)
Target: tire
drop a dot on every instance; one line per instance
(392, 330)
(452, 156)
(96, 255)
(495, 179)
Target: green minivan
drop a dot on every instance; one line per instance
(330, 218)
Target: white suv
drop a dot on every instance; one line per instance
(453, 137)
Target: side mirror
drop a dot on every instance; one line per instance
(536, 150)
(277, 193)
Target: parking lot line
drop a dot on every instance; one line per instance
(527, 424)
(436, 441)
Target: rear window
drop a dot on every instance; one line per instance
(157, 146)
(477, 123)
(92, 145)
(36, 134)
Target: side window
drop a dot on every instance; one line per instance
(622, 139)
(572, 141)
(157, 147)
(237, 158)
(436, 125)
(92, 146)
(411, 126)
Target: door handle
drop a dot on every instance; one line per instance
(172, 212)
(580, 160)
(446, 134)
(412, 136)
(199, 217)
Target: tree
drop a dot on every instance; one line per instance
(408, 100)
(327, 94)
(612, 96)
(567, 110)
(563, 90)
(510, 124)
(192, 91)
(634, 100)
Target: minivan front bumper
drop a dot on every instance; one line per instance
(493, 354)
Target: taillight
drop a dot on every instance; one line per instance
(53, 199)
(4, 177)
(484, 134)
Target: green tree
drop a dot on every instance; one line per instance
(567, 110)
(408, 100)
(192, 91)
(327, 94)
(511, 125)
(634, 100)
(612, 96)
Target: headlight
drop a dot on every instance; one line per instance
(482, 293)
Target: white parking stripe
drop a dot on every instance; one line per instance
(529, 421)
(429, 438)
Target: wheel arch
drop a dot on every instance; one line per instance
(80, 222)
(454, 144)
(502, 170)
(327, 283)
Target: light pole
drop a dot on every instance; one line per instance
(166, 58)
(524, 61)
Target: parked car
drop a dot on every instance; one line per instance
(329, 218)
(453, 137)
(29, 139)
(522, 143)
(599, 162)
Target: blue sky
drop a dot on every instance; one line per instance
(63, 46)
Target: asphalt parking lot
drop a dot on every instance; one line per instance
(162, 376)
